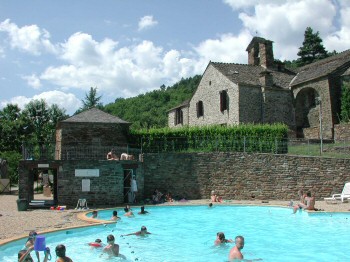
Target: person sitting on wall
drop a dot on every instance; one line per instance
(168, 197)
(214, 197)
(112, 155)
(309, 205)
(125, 156)
(157, 197)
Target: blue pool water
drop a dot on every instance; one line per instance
(187, 233)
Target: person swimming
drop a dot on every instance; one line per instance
(142, 232)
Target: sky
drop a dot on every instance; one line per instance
(57, 50)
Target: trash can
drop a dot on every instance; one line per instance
(22, 204)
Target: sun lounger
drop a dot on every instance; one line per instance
(344, 195)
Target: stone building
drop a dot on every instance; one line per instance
(79, 168)
(263, 91)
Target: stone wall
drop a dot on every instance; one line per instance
(250, 104)
(243, 176)
(278, 107)
(342, 131)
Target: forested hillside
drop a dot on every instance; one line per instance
(150, 109)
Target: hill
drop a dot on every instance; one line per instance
(150, 109)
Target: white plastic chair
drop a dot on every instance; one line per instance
(82, 204)
(344, 195)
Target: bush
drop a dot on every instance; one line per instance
(247, 138)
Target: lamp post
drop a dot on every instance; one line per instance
(319, 100)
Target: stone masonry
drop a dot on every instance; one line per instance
(243, 176)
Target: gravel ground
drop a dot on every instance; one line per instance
(15, 224)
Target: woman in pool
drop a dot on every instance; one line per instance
(220, 239)
(142, 232)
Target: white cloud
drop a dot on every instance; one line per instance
(228, 48)
(147, 22)
(33, 81)
(285, 21)
(239, 4)
(29, 38)
(125, 71)
(340, 40)
(67, 101)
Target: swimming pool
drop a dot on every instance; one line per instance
(187, 233)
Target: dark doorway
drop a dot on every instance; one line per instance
(44, 187)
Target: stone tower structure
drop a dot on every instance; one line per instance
(260, 52)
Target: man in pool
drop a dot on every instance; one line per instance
(235, 252)
(142, 212)
(115, 216)
(61, 254)
(112, 249)
(143, 232)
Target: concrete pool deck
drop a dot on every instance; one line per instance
(16, 224)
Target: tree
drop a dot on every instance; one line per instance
(43, 119)
(312, 49)
(12, 128)
(91, 100)
(345, 102)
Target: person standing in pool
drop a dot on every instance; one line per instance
(142, 212)
(128, 212)
(115, 216)
(143, 232)
(61, 254)
(235, 252)
(220, 239)
(24, 255)
(30, 242)
(112, 249)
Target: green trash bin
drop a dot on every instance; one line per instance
(22, 204)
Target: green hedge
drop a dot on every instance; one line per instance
(243, 138)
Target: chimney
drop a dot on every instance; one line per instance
(266, 78)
